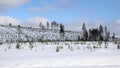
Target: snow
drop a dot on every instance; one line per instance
(54, 54)
(71, 55)
(10, 34)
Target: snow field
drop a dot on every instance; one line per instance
(69, 54)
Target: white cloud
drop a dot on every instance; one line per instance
(36, 20)
(5, 20)
(6, 4)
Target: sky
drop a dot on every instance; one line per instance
(70, 12)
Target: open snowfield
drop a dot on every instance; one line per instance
(60, 55)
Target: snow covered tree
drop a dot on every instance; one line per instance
(93, 34)
(47, 25)
(83, 27)
(108, 35)
(84, 31)
(62, 31)
(90, 34)
(86, 35)
(10, 24)
(106, 30)
(57, 26)
(113, 37)
(43, 27)
(40, 25)
(51, 25)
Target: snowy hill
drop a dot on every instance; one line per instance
(15, 33)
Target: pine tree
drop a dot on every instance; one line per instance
(101, 33)
(10, 24)
(86, 35)
(90, 34)
(40, 25)
(47, 25)
(62, 31)
(113, 37)
(106, 30)
(84, 31)
(83, 27)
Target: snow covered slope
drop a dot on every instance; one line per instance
(13, 34)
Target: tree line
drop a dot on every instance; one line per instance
(96, 34)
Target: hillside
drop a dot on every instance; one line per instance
(15, 33)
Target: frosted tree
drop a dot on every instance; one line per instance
(47, 25)
(106, 29)
(51, 25)
(84, 31)
(10, 24)
(40, 25)
(107, 33)
(113, 37)
(62, 31)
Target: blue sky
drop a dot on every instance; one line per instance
(69, 12)
(66, 11)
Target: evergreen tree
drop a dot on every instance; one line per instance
(86, 35)
(47, 25)
(106, 30)
(84, 31)
(62, 31)
(108, 35)
(10, 24)
(90, 34)
(113, 37)
(95, 34)
(51, 25)
(57, 25)
(61, 28)
(101, 33)
(40, 25)
(83, 27)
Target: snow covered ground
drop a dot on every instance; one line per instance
(60, 55)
